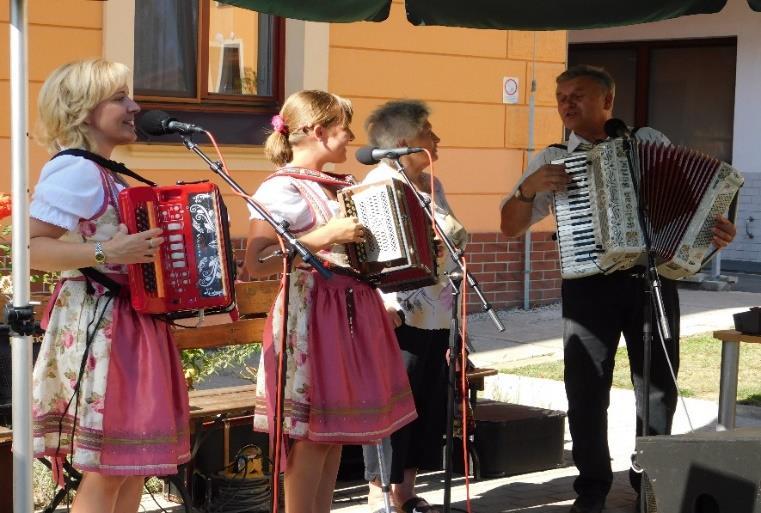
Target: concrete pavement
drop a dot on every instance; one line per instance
(534, 336)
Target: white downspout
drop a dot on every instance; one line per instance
(529, 155)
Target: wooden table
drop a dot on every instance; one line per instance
(730, 362)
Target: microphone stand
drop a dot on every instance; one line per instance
(653, 298)
(455, 278)
(293, 246)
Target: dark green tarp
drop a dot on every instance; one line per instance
(496, 14)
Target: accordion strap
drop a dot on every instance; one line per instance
(315, 176)
(112, 165)
(91, 274)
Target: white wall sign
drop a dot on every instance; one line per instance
(509, 89)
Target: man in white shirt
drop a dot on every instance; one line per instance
(598, 309)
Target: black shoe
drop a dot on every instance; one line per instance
(587, 504)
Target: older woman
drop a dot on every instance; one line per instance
(421, 316)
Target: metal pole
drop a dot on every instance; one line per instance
(529, 155)
(716, 266)
(21, 345)
(730, 363)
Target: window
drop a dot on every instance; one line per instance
(685, 88)
(210, 63)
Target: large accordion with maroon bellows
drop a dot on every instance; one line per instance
(194, 268)
(399, 252)
(681, 190)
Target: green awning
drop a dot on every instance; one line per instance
(336, 11)
(496, 14)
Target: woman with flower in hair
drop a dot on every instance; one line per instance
(345, 381)
(108, 389)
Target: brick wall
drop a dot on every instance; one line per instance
(497, 262)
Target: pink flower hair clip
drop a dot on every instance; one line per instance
(278, 123)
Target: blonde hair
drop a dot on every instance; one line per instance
(302, 111)
(68, 96)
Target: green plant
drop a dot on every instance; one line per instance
(6, 285)
(200, 364)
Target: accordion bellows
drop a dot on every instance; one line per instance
(681, 190)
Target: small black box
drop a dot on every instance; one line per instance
(749, 322)
(515, 439)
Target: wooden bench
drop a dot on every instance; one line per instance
(730, 362)
(254, 301)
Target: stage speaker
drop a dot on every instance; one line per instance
(707, 472)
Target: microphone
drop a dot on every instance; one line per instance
(614, 127)
(158, 122)
(368, 155)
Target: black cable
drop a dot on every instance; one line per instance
(90, 337)
(239, 493)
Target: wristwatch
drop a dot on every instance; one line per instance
(522, 197)
(100, 256)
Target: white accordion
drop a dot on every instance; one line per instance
(399, 253)
(598, 215)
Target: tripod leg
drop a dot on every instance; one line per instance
(384, 476)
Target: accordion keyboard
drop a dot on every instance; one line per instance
(573, 210)
(193, 269)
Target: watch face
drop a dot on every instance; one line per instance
(100, 257)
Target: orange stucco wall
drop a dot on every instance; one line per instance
(457, 71)
(59, 31)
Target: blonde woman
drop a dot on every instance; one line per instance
(345, 381)
(108, 389)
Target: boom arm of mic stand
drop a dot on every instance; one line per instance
(281, 228)
(454, 253)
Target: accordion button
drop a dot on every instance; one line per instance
(175, 238)
(174, 226)
(177, 264)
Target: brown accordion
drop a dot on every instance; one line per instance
(399, 253)
(194, 267)
(682, 191)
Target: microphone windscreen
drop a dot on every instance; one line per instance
(365, 155)
(154, 122)
(614, 127)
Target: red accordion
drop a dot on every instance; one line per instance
(399, 253)
(194, 267)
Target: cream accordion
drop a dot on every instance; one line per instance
(597, 216)
(399, 253)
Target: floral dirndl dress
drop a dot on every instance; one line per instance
(130, 415)
(345, 381)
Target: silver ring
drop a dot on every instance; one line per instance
(150, 243)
